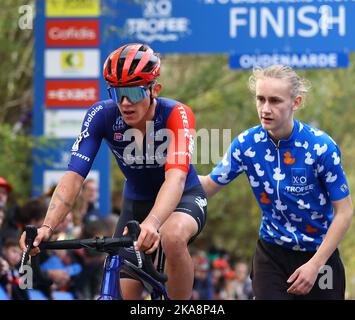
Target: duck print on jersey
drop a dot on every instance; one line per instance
(268, 189)
(288, 159)
(268, 156)
(300, 145)
(242, 135)
(320, 149)
(264, 199)
(336, 158)
(310, 229)
(278, 176)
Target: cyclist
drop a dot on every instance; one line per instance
(152, 141)
(296, 176)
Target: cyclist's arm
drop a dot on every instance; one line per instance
(61, 203)
(168, 196)
(83, 153)
(63, 198)
(209, 185)
(82, 156)
(181, 128)
(181, 124)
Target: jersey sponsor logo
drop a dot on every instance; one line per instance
(186, 130)
(91, 115)
(299, 176)
(72, 33)
(118, 136)
(82, 135)
(344, 188)
(81, 156)
(201, 202)
(119, 125)
(185, 121)
(299, 182)
(61, 93)
(141, 161)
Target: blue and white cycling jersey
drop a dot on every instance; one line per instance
(294, 182)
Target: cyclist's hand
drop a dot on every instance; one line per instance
(148, 239)
(43, 234)
(303, 279)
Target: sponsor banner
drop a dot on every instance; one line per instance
(63, 123)
(72, 33)
(233, 26)
(52, 177)
(61, 93)
(72, 8)
(322, 60)
(61, 63)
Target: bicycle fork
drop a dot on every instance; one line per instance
(110, 286)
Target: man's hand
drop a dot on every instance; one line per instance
(148, 239)
(303, 279)
(43, 234)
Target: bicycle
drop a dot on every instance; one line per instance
(152, 279)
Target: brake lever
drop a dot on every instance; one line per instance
(31, 234)
(134, 231)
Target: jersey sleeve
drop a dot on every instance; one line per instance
(331, 173)
(87, 144)
(230, 167)
(181, 124)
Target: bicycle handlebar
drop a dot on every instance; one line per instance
(108, 245)
(101, 244)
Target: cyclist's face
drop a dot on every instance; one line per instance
(134, 113)
(276, 106)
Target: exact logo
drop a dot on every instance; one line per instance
(71, 93)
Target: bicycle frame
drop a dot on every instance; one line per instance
(110, 287)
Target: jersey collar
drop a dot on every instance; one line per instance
(284, 143)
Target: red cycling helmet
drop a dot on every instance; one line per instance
(133, 64)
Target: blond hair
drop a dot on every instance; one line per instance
(299, 86)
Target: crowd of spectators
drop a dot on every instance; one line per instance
(76, 274)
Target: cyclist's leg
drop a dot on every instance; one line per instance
(177, 232)
(131, 289)
(175, 235)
